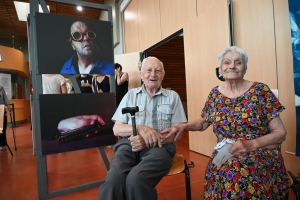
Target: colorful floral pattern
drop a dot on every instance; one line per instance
(259, 174)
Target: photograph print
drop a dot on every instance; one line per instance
(72, 122)
(72, 45)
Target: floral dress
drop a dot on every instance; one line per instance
(258, 174)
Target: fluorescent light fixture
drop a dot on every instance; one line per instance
(79, 8)
(22, 9)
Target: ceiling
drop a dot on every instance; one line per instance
(13, 29)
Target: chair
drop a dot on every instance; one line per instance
(295, 185)
(180, 165)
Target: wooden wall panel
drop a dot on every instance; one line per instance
(265, 36)
(148, 23)
(172, 56)
(130, 27)
(254, 32)
(286, 82)
(171, 22)
(176, 13)
(129, 64)
(203, 41)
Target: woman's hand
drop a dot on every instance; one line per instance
(175, 131)
(165, 140)
(271, 140)
(117, 71)
(242, 146)
(86, 85)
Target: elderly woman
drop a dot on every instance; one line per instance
(246, 113)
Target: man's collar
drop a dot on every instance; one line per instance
(98, 63)
(160, 91)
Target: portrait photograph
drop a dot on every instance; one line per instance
(72, 45)
(69, 122)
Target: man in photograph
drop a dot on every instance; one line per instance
(87, 59)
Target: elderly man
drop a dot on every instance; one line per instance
(141, 161)
(87, 59)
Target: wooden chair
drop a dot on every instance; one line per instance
(180, 165)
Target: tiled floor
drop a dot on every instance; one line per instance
(18, 176)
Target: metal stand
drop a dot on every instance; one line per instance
(5, 121)
(295, 184)
(41, 162)
(81, 187)
(13, 123)
(186, 171)
(9, 149)
(13, 117)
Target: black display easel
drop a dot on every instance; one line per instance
(36, 74)
(13, 117)
(9, 149)
(13, 123)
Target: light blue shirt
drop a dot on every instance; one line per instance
(158, 112)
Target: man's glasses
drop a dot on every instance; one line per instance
(78, 36)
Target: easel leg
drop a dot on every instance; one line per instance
(13, 129)
(9, 149)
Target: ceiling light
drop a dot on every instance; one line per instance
(22, 9)
(79, 8)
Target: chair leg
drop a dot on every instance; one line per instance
(286, 196)
(187, 180)
(295, 185)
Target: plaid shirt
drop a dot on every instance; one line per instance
(158, 112)
(3, 97)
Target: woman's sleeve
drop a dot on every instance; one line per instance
(206, 111)
(62, 80)
(272, 106)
